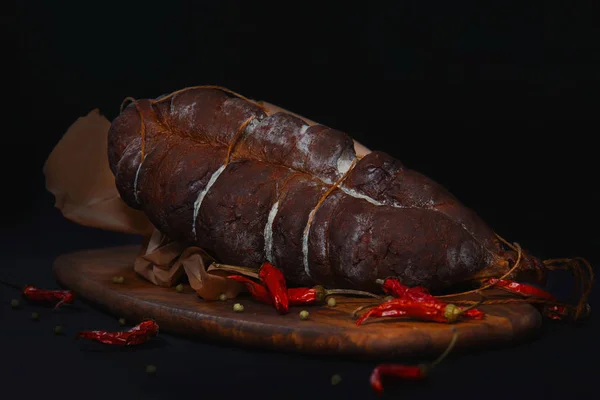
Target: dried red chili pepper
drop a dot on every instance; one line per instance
(274, 280)
(296, 296)
(394, 287)
(555, 312)
(520, 288)
(303, 296)
(37, 295)
(558, 312)
(409, 372)
(258, 291)
(424, 311)
(139, 334)
(59, 297)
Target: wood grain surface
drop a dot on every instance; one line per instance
(328, 331)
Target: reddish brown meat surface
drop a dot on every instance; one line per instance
(384, 219)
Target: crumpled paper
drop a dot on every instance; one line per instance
(78, 174)
(163, 262)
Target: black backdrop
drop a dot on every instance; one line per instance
(499, 105)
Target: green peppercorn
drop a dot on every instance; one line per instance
(335, 379)
(223, 297)
(151, 369)
(237, 307)
(35, 316)
(179, 288)
(331, 302)
(115, 279)
(120, 280)
(304, 315)
(58, 330)
(122, 321)
(14, 303)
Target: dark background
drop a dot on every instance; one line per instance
(499, 105)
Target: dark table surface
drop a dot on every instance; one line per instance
(559, 363)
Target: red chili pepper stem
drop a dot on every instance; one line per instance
(447, 351)
(407, 371)
(134, 336)
(34, 294)
(60, 303)
(322, 293)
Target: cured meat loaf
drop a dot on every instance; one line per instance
(214, 170)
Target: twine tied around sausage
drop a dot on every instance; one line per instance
(129, 100)
(556, 308)
(578, 267)
(583, 284)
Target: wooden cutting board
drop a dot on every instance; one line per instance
(328, 331)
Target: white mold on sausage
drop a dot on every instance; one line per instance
(202, 195)
(268, 233)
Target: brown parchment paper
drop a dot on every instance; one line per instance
(163, 262)
(78, 174)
